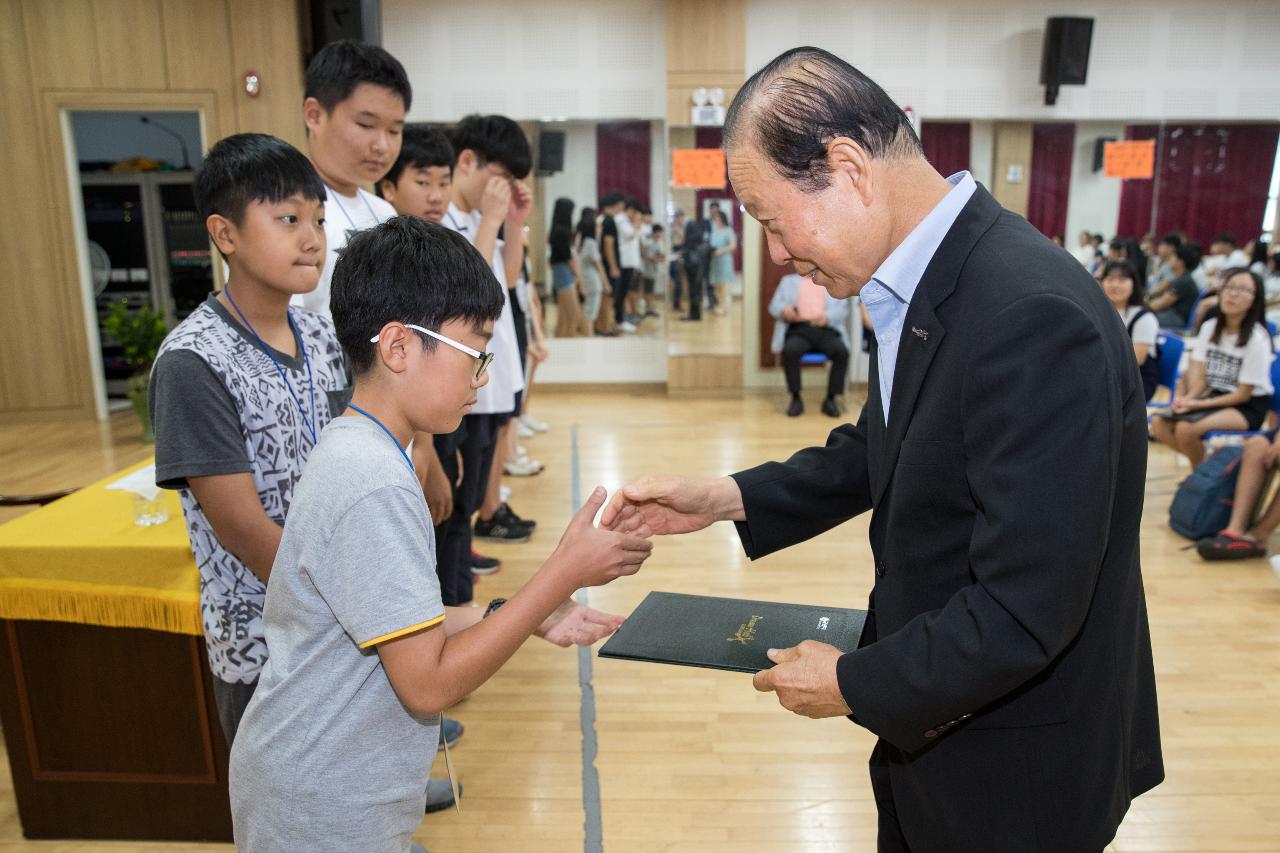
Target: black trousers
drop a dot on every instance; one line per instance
(453, 536)
(621, 285)
(673, 272)
(697, 279)
(802, 338)
(889, 837)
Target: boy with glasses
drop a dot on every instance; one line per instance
(334, 750)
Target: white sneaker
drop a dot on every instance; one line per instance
(523, 430)
(626, 327)
(523, 467)
(534, 424)
(521, 453)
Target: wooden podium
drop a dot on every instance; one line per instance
(112, 733)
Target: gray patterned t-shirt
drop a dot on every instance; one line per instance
(220, 407)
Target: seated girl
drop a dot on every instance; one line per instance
(1120, 282)
(1227, 385)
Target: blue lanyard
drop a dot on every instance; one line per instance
(337, 200)
(309, 420)
(383, 427)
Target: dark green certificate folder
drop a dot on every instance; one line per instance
(727, 633)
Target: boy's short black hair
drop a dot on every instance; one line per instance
(421, 147)
(249, 167)
(1172, 240)
(412, 271)
(610, 199)
(494, 139)
(340, 66)
(1229, 239)
(1189, 253)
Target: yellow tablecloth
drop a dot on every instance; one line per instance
(82, 559)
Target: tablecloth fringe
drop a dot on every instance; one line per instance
(113, 608)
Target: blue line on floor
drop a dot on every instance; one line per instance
(593, 830)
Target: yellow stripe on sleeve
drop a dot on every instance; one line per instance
(403, 631)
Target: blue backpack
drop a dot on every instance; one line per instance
(1202, 505)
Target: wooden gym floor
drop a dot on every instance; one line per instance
(693, 761)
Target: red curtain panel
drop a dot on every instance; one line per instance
(1210, 179)
(946, 145)
(1052, 146)
(622, 159)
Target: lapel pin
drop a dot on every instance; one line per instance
(922, 334)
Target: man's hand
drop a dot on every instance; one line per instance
(496, 201)
(574, 625)
(789, 314)
(665, 505)
(804, 677)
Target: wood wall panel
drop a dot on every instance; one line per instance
(265, 37)
(117, 55)
(706, 46)
(60, 43)
(1012, 148)
(130, 44)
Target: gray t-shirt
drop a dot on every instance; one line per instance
(326, 757)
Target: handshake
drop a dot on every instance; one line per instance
(803, 677)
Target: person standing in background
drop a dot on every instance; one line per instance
(723, 245)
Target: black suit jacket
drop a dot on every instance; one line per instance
(1008, 672)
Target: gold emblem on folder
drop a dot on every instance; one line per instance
(746, 631)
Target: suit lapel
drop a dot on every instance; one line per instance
(923, 333)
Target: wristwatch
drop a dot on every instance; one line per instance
(493, 605)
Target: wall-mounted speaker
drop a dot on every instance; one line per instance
(550, 152)
(334, 20)
(1064, 58)
(1100, 151)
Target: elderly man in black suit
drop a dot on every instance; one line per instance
(1007, 668)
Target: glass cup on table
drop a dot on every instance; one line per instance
(148, 512)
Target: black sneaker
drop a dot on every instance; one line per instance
(796, 409)
(482, 565)
(830, 408)
(495, 530)
(509, 517)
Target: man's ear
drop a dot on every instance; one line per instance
(223, 233)
(313, 114)
(394, 340)
(851, 164)
(466, 163)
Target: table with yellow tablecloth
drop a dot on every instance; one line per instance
(105, 694)
(83, 559)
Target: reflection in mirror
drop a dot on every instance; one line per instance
(606, 265)
(705, 268)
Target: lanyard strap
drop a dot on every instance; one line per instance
(308, 419)
(337, 199)
(383, 427)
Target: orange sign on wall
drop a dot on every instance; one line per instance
(700, 168)
(1134, 158)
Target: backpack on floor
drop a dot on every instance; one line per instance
(1202, 504)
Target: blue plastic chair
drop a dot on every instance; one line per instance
(1170, 348)
(1271, 328)
(812, 358)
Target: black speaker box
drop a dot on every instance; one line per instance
(334, 20)
(1064, 59)
(550, 152)
(1100, 151)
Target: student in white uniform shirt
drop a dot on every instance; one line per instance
(491, 157)
(356, 99)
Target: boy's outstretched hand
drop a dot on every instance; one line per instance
(574, 625)
(592, 556)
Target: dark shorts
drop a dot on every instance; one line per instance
(231, 700)
(1254, 411)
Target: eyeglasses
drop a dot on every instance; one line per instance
(484, 359)
(1239, 289)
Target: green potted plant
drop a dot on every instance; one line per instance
(140, 333)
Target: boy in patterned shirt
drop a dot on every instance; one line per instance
(241, 390)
